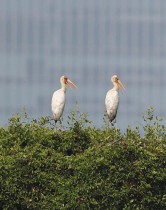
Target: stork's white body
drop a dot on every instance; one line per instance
(59, 97)
(58, 103)
(112, 98)
(112, 103)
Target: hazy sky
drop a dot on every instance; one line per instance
(88, 40)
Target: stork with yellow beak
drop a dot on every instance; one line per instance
(112, 98)
(59, 97)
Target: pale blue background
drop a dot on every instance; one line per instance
(89, 41)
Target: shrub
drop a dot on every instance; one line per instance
(82, 167)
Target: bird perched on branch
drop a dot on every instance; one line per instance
(112, 98)
(59, 96)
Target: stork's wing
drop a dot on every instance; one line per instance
(112, 103)
(58, 104)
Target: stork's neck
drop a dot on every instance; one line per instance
(63, 86)
(116, 87)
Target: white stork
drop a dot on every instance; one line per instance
(112, 98)
(58, 98)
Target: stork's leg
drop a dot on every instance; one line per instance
(114, 125)
(60, 121)
(115, 130)
(113, 122)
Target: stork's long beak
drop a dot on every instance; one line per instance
(121, 85)
(70, 84)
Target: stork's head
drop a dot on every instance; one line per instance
(64, 80)
(116, 80)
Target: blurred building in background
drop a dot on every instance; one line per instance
(89, 41)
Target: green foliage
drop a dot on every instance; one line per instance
(82, 167)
